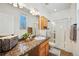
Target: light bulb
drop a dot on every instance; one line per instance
(30, 11)
(15, 5)
(33, 11)
(21, 5)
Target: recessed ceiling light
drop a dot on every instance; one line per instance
(53, 23)
(55, 10)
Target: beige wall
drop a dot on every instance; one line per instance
(9, 19)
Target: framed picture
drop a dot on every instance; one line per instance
(22, 22)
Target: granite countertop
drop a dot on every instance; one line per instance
(23, 47)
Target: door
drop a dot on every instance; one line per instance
(59, 41)
(63, 34)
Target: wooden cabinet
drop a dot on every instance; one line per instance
(33, 52)
(41, 50)
(42, 22)
(47, 49)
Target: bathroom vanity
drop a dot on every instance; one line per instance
(32, 48)
(40, 50)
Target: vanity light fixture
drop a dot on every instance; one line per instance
(18, 5)
(21, 5)
(34, 11)
(15, 4)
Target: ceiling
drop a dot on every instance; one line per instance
(57, 6)
(48, 8)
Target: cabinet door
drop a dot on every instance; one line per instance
(42, 51)
(34, 52)
(43, 48)
(47, 49)
(42, 22)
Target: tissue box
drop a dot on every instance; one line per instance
(8, 42)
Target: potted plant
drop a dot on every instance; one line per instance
(25, 35)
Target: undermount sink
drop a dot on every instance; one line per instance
(22, 47)
(40, 38)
